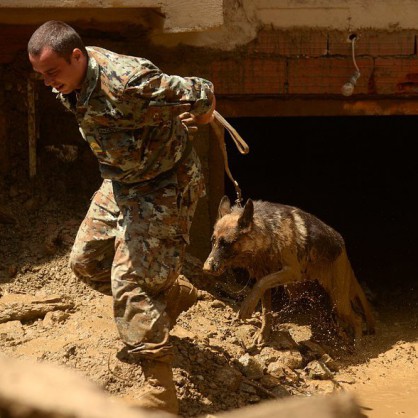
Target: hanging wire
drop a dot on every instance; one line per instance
(348, 88)
(353, 53)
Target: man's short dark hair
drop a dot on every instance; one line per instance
(58, 36)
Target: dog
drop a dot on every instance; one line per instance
(280, 245)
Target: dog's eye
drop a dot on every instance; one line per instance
(223, 243)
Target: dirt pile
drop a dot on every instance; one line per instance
(55, 318)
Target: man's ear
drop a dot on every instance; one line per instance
(77, 54)
(246, 217)
(224, 207)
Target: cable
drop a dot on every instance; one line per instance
(348, 88)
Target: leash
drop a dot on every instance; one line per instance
(241, 145)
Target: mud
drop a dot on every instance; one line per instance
(215, 369)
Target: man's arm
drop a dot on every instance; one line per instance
(193, 97)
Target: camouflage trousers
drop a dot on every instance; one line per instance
(135, 238)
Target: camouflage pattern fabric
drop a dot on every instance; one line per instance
(127, 112)
(137, 227)
(135, 236)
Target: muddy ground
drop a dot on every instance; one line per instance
(215, 368)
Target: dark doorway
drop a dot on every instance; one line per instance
(358, 174)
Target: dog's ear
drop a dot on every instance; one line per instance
(224, 207)
(246, 217)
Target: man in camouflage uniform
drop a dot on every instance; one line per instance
(135, 119)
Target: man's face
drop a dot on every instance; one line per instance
(58, 72)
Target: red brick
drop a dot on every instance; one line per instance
(249, 76)
(396, 75)
(374, 43)
(310, 43)
(326, 75)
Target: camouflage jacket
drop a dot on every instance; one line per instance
(125, 112)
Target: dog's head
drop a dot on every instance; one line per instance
(232, 243)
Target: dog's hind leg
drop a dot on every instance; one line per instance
(341, 283)
(359, 301)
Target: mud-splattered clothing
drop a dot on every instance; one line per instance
(137, 226)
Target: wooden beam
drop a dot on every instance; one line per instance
(261, 106)
(32, 134)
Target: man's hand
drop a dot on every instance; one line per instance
(189, 121)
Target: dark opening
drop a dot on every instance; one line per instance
(357, 174)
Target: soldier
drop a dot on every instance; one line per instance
(137, 121)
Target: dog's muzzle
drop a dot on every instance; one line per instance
(212, 266)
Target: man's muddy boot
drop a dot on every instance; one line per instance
(180, 297)
(159, 391)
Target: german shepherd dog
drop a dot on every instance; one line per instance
(281, 245)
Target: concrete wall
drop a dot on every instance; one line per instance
(176, 15)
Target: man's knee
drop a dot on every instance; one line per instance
(78, 265)
(89, 270)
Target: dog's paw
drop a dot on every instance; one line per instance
(261, 337)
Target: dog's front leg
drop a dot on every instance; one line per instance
(284, 276)
(262, 336)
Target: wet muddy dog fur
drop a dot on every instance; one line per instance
(281, 245)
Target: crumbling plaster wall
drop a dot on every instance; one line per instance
(243, 19)
(221, 24)
(178, 15)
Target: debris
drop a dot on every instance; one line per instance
(26, 308)
(318, 370)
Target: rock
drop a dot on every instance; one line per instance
(12, 330)
(54, 317)
(282, 340)
(228, 378)
(245, 387)
(276, 369)
(269, 381)
(323, 387)
(245, 334)
(289, 358)
(329, 362)
(318, 370)
(251, 367)
(181, 332)
(280, 392)
(298, 332)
